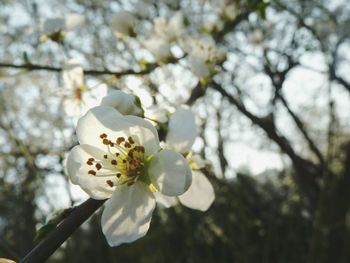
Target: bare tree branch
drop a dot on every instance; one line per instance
(55, 239)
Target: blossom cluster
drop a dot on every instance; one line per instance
(120, 158)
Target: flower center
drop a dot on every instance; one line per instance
(124, 157)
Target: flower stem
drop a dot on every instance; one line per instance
(42, 251)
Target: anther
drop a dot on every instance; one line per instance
(103, 135)
(127, 145)
(119, 174)
(120, 140)
(92, 172)
(114, 162)
(91, 159)
(131, 141)
(98, 166)
(110, 183)
(105, 156)
(106, 141)
(89, 163)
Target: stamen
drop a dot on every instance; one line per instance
(120, 140)
(105, 141)
(110, 183)
(103, 135)
(98, 166)
(92, 172)
(89, 163)
(114, 162)
(105, 156)
(131, 141)
(119, 174)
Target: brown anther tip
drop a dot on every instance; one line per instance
(103, 135)
(106, 141)
(120, 140)
(111, 143)
(130, 139)
(117, 154)
(114, 162)
(127, 145)
(98, 166)
(105, 156)
(119, 174)
(110, 183)
(92, 172)
(124, 161)
(89, 163)
(91, 159)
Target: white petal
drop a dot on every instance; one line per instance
(169, 172)
(152, 145)
(182, 130)
(155, 113)
(73, 76)
(96, 187)
(107, 120)
(123, 23)
(125, 103)
(198, 67)
(74, 21)
(200, 195)
(164, 200)
(127, 215)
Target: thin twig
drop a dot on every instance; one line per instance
(32, 67)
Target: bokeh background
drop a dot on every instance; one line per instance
(273, 121)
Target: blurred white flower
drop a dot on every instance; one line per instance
(181, 135)
(77, 97)
(157, 114)
(123, 24)
(228, 10)
(119, 158)
(159, 48)
(169, 30)
(126, 104)
(204, 55)
(256, 37)
(55, 28)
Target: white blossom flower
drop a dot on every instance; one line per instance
(78, 98)
(228, 10)
(204, 55)
(160, 48)
(256, 37)
(119, 158)
(123, 24)
(157, 114)
(126, 104)
(169, 30)
(55, 28)
(181, 135)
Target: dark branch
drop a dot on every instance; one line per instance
(33, 67)
(307, 172)
(55, 239)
